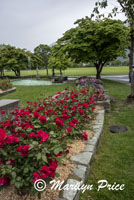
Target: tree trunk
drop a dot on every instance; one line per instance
(99, 67)
(98, 76)
(47, 70)
(18, 73)
(131, 72)
(60, 71)
(15, 72)
(53, 74)
(2, 74)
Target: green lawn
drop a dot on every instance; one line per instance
(32, 93)
(114, 160)
(78, 71)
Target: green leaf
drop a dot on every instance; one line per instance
(44, 158)
(51, 133)
(57, 175)
(38, 156)
(26, 170)
(13, 174)
(56, 151)
(18, 185)
(3, 152)
(37, 126)
(18, 178)
(29, 130)
(35, 143)
(13, 181)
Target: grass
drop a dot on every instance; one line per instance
(32, 93)
(78, 71)
(114, 160)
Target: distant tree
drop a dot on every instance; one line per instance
(12, 58)
(116, 63)
(43, 51)
(125, 63)
(58, 60)
(35, 61)
(97, 42)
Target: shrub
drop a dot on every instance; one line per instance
(5, 84)
(32, 143)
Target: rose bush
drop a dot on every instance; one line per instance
(32, 143)
(5, 84)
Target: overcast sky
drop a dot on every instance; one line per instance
(28, 23)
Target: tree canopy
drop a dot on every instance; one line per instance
(43, 51)
(12, 58)
(59, 60)
(98, 41)
(16, 59)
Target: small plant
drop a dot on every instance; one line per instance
(5, 84)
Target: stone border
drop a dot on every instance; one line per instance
(8, 91)
(8, 105)
(105, 102)
(84, 159)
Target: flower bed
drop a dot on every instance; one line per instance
(34, 141)
(6, 87)
(89, 82)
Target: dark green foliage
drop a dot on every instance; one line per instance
(98, 41)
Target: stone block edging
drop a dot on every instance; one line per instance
(8, 91)
(8, 105)
(83, 160)
(105, 102)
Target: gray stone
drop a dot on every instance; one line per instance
(8, 91)
(101, 111)
(100, 116)
(8, 105)
(93, 141)
(98, 133)
(97, 126)
(90, 148)
(83, 158)
(71, 193)
(80, 171)
(60, 199)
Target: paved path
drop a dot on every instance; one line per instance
(119, 78)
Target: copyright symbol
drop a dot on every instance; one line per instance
(40, 185)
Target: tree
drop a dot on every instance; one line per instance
(43, 51)
(35, 61)
(58, 60)
(116, 63)
(127, 7)
(97, 41)
(12, 58)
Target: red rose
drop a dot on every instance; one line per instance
(65, 116)
(75, 121)
(36, 114)
(81, 111)
(84, 135)
(2, 134)
(72, 124)
(3, 112)
(42, 119)
(69, 129)
(43, 135)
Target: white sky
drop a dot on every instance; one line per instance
(28, 23)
